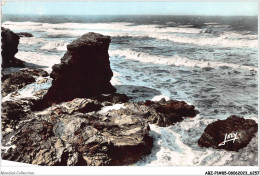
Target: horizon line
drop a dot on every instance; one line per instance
(133, 15)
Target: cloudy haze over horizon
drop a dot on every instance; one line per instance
(132, 8)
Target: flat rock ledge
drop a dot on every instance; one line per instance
(65, 135)
(162, 113)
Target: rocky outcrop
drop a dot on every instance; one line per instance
(66, 135)
(162, 113)
(14, 111)
(17, 80)
(10, 43)
(84, 71)
(237, 131)
(24, 34)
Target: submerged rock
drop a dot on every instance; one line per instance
(236, 130)
(162, 113)
(17, 80)
(65, 135)
(84, 71)
(10, 43)
(24, 34)
(137, 93)
(207, 30)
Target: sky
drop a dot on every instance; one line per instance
(131, 8)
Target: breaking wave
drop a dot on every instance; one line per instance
(177, 146)
(55, 45)
(174, 60)
(224, 39)
(43, 61)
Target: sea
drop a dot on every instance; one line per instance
(210, 62)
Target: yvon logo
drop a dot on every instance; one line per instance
(229, 137)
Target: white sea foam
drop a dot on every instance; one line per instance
(57, 45)
(31, 40)
(116, 26)
(108, 108)
(174, 60)
(43, 61)
(224, 40)
(114, 79)
(177, 146)
(159, 97)
(29, 90)
(227, 39)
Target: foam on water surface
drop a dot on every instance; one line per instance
(108, 108)
(57, 45)
(29, 90)
(154, 31)
(177, 146)
(39, 60)
(175, 60)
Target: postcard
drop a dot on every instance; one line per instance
(143, 85)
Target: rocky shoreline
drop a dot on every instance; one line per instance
(68, 124)
(10, 42)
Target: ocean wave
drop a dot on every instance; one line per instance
(174, 60)
(55, 45)
(226, 39)
(40, 60)
(178, 146)
(114, 79)
(31, 40)
(117, 26)
(159, 97)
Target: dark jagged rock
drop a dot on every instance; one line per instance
(39, 94)
(82, 105)
(64, 135)
(24, 34)
(162, 113)
(36, 72)
(84, 71)
(17, 80)
(10, 43)
(14, 111)
(173, 106)
(166, 113)
(214, 134)
(111, 99)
